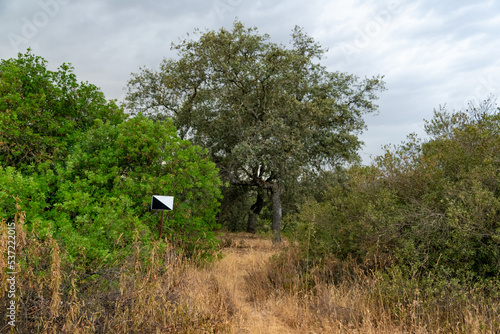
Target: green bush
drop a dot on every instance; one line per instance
(426, 207)
(85, 175)
(351, 221)
(30, 192)
(42, 112)
(109, 177)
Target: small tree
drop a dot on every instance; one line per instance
(266, 113)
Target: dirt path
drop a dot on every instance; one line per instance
(245, 254)
(221, 289)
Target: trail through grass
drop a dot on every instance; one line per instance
(243, 254)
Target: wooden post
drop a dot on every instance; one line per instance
(161, 224)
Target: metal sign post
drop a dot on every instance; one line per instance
(162, 203)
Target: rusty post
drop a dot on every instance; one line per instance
(161, 224)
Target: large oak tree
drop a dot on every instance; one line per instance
(266, 112)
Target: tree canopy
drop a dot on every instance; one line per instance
(265, 112)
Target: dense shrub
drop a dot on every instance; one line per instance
(95, 200)
(351, 221)
(31, 192)
(109, 177)
(43, 112)
(426, 206)
(85, 175)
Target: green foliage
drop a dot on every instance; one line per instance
(101, 193)
(110, 175)
(427, 207)
(31, 192)
(267, 113)
(85, 175)
(42, 112)
(351, 220)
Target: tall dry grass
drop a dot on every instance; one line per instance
(257, 287)
(347, 298)
(143, 294)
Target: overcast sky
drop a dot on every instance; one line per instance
(431, 52)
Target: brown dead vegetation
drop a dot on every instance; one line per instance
(257, 287)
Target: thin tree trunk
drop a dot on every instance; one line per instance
(277, 215)
(255, 210)
(252, 222)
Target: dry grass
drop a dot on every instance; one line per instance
(269, 293)
(257, 287)
(145, 294)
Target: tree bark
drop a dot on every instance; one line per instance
(276, 191)
(255, 210)
(252, 222)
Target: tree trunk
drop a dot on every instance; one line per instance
(252, 222)
(255, 210)
(276, 225)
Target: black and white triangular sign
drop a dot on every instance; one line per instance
(162, 202)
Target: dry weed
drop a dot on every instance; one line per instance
(257, 287)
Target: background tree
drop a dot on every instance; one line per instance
(240, 208)
(266, 113)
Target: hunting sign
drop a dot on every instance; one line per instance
(162, 202)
